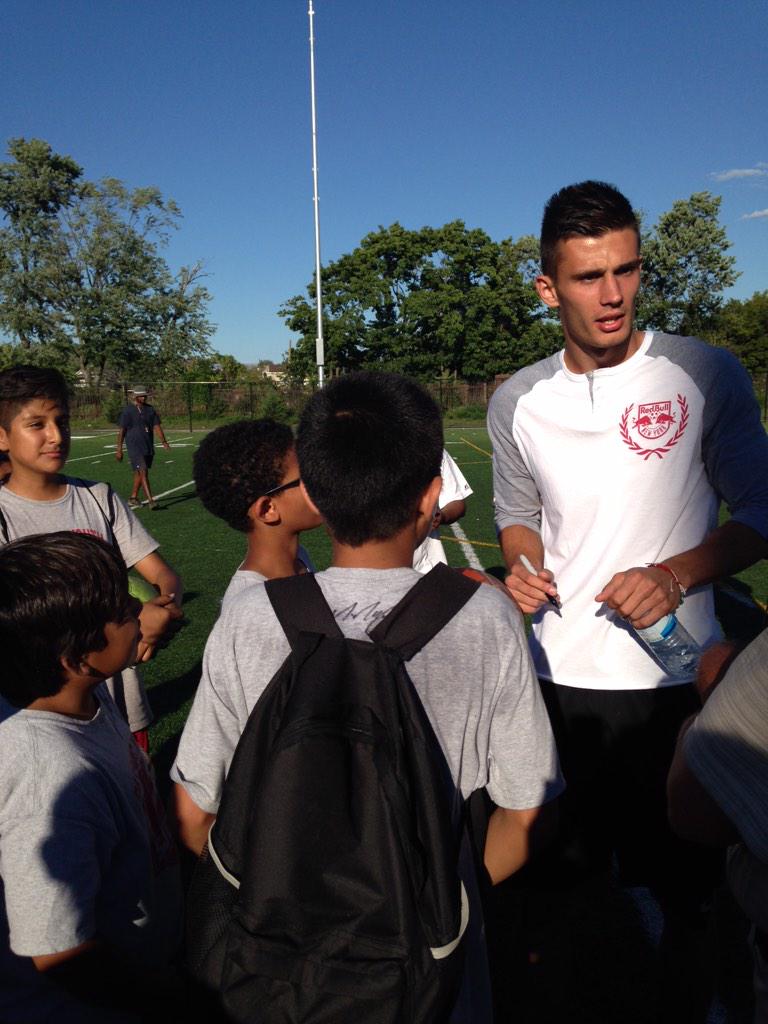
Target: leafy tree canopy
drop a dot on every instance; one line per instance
(686, 267)
(82, 276)
(742, 327)
(429, 303)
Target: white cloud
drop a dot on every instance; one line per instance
(755, 215)
(760, 171)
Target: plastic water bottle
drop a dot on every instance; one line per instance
(672, 646)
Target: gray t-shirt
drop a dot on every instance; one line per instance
(84, 845)
(727, 750)
(474, 678)
(244, 578)
(84, 508)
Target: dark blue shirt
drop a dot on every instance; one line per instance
(139, 422)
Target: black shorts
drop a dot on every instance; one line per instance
(140, 460)
(615, 749)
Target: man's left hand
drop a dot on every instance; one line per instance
(641, 595)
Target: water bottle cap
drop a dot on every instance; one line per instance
(669, 624)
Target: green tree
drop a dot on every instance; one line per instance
(743, 328)
(81, 269)
(34, 189)
(686, 267)
(429, 303)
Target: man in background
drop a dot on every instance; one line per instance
(138, 424)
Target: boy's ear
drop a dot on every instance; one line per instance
(73, 669)
(429, 499)
(263, 510)
(4, 443)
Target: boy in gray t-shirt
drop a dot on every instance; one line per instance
(38, 498)
(247, 474)
(370, 448)
(90, 903)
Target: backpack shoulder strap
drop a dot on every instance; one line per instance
(300, 607)
(428, 606)
(109, 515)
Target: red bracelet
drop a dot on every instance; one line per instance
(673, 574)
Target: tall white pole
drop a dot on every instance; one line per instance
(320, 347)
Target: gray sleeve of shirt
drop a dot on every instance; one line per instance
(727, 746)
(516, 498)
(242, 654)
(734, 441)
(523, 769)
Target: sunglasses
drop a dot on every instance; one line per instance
(282, 487)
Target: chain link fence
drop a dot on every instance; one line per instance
(199, 405)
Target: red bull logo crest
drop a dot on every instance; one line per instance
(652, 422)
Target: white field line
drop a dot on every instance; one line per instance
(467, 549)
(173, 490)
(80, 458)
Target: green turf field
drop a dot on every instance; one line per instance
(206, 552)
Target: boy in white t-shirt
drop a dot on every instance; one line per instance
(451, 506)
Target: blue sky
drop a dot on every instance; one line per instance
(428, 110)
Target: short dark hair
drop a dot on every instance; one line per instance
(58, 591)
(588, 209)
(368, 445)
(237, 463)
(20, 384)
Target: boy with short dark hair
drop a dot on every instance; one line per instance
(247, 474)
(91, 902)
(370, 448)
(39, 498)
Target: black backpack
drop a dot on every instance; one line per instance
(329, 889)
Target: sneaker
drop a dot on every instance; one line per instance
(154, 505)
(133, 503)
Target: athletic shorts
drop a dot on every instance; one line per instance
(615, 749)
(140, 460)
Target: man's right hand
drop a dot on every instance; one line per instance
(530, 590)
(119, 454)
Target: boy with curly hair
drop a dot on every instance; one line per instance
(247, 474)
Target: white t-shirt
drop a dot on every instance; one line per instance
(620, 467)
(431, 552)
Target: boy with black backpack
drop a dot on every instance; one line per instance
(336, 786)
